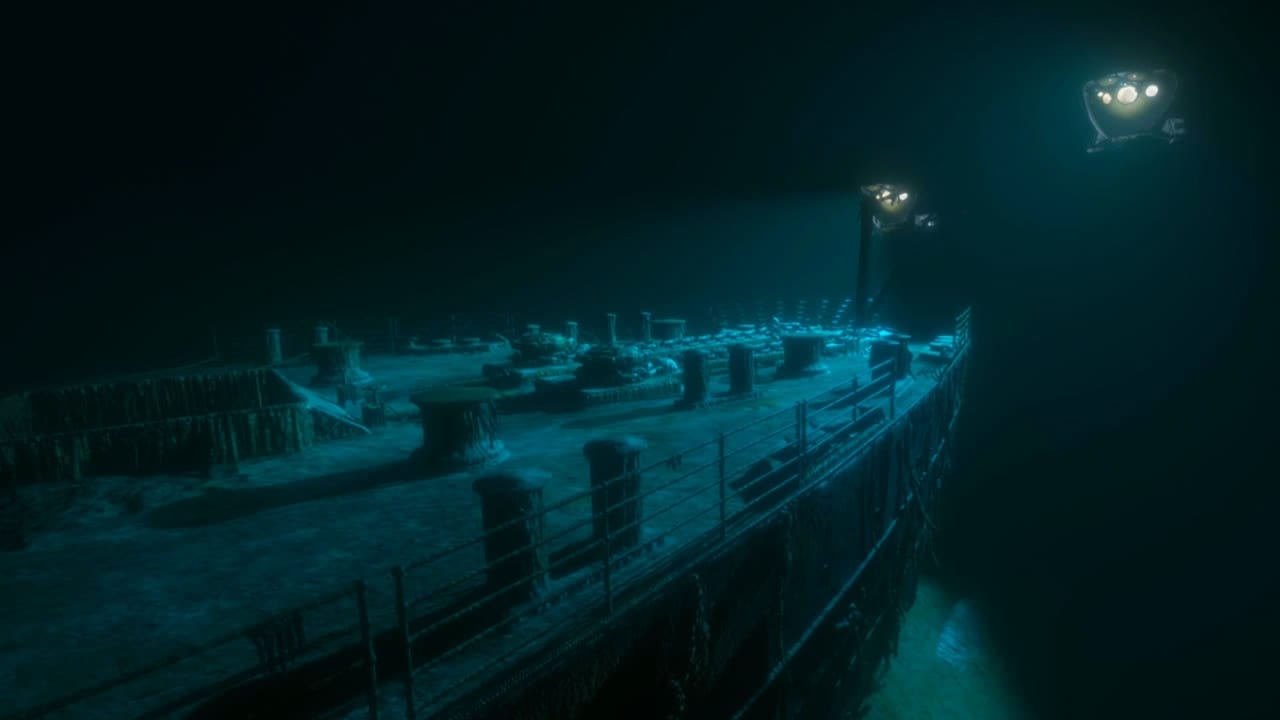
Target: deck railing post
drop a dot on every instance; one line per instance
(720, 467)
(402, 614)
(854, 395)
(608, 553)
(799, 425)
(893, 396)
(802, 437)
(805, 414)
(366, 640)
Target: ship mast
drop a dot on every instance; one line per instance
(861, 290)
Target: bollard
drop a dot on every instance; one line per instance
(615, 481)
(697, 378)
(275, 351)
(339, 363)
(802, 355)
(646, 327)
(571, 331)
(895, 354)
(516, 557)
(611, 328)
(742, 369)
(459, 428)
(668, 329)
(321, 335)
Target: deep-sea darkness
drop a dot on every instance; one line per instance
(183, 175)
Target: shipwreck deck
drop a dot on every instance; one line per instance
(139, 569)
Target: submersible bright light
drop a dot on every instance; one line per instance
(892, 205)
(1142, 107)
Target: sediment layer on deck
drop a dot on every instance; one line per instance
(791, 614)
(360, 495)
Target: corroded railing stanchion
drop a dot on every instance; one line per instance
(608, 557)
(721, 470)
(802, 438)
(855, 398)
(366, 643)
(402, 616)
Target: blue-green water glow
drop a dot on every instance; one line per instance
(945, 667)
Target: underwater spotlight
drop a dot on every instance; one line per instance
(1135, 114)
(892, 205)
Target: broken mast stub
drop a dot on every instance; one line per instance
(611, 329)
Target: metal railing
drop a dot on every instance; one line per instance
(279, 642)
(895, 522)
(791, 444)
(800, 451)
